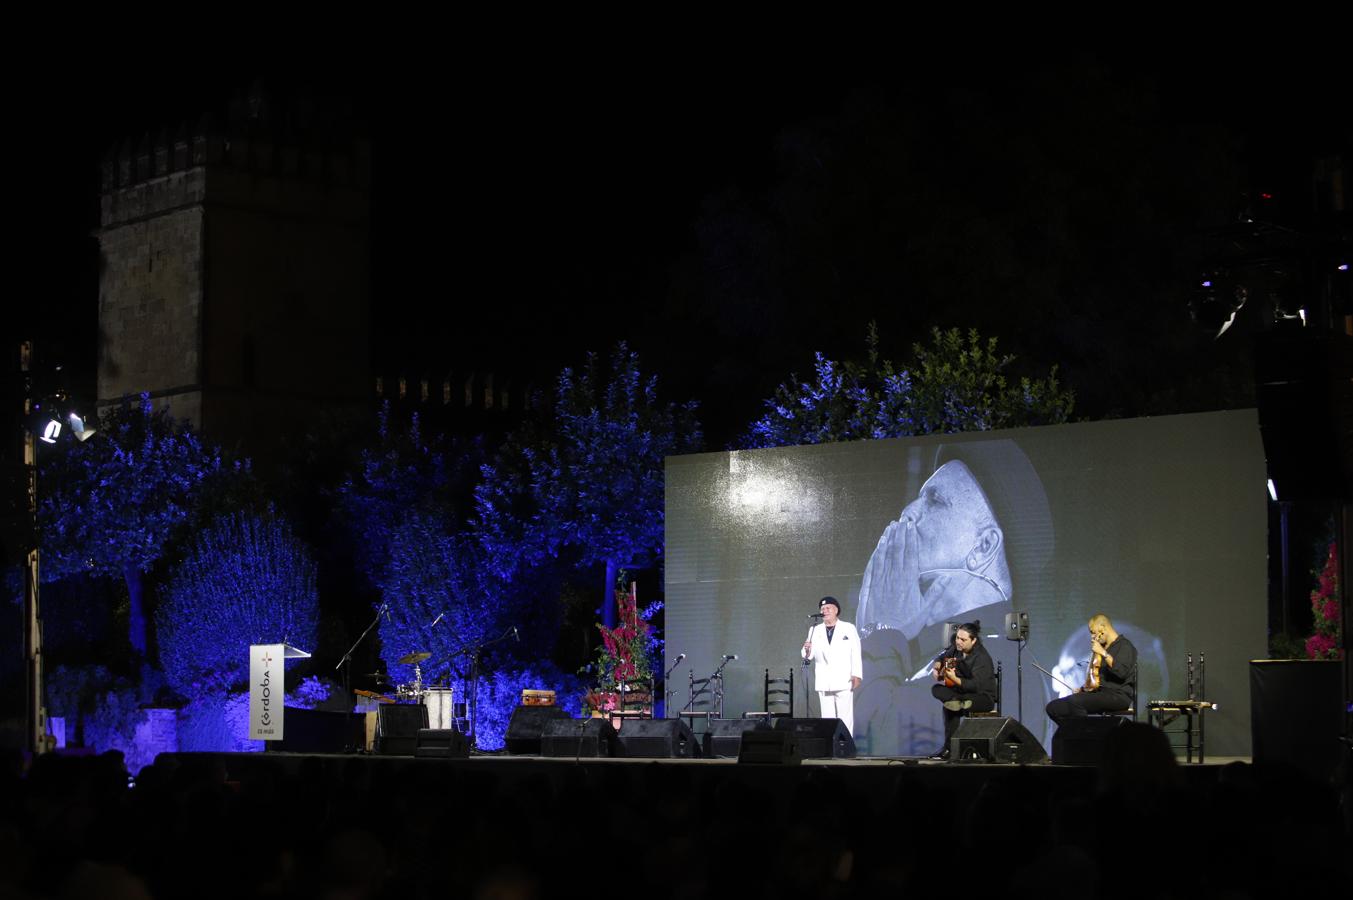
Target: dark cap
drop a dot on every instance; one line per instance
(833, 601)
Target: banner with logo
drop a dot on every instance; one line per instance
(265, 691)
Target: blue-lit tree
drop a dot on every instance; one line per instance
(403, 471)
(436, 572)
(110, 506)
(956, 383)
(588, 476)
(244, 579)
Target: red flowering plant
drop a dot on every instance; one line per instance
(622, 659)
(1324, 642)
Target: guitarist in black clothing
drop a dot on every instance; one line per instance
(965, 680)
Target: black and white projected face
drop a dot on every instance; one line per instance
(1158, 523)
(941, 558)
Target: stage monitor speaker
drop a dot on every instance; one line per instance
(320, 731)
(775, 747)
(820, 738)
(1080, 741)
(579, 737)
(658, 739)
(397, 726)
(441, 743)
(724, 737)
(995, 739)
(526, 726)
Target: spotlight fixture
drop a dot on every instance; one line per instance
(77, 428)
(52, 415)
(1215, 301)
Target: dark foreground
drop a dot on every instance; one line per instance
(311, 826)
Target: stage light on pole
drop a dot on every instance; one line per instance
(51, 430)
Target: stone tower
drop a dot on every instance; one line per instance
(234, 280)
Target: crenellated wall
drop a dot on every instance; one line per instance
(458, 402)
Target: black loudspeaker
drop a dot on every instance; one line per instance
(724, 737)
(1296, 713)
(1080, 741)
(579, 737)
(819, 738)
(441, 743)
(397, 726)
(320, 731)
(1302, 385)
(658, 739)
(526, 726)
(995, 739)
(776, 747)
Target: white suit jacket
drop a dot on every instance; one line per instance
(835, 663)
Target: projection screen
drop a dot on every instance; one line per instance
(1159, 523)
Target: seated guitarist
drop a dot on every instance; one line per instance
(1111, 680)
(966, 680)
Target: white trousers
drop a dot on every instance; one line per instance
(839, 705)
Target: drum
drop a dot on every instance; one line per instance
(441, 708)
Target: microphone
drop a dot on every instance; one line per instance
(680, 657)
(440, 616)
(385, 608)
(730, 656)
(515, 634)
(814, 616)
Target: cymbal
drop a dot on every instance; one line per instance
(373, 695)
(414, 658)
(379, 676)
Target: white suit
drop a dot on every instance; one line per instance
(834, 664)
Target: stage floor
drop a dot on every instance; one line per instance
(865, 773)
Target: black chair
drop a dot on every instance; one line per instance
(777, 698)
(705, 701)
(779, 692)
(1000, 676)
(1130, 712)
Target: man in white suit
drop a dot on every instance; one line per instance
(834, 648)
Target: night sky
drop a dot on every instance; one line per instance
(730, 217)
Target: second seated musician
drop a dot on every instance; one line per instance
(834, 648)
(1111, 681)
(966, 680)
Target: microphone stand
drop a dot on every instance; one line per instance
(666, 689)
(347, 657)
(474, 651)
(718, 677)
(813, 618)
